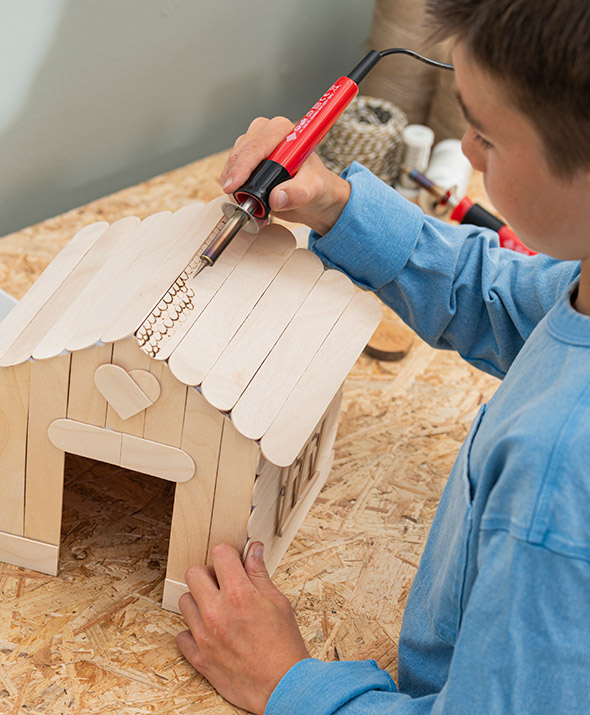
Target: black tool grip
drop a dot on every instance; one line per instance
(262, 181)
(478, 216)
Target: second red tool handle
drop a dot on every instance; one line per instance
(468, 212)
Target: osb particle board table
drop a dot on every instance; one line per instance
(95, 640)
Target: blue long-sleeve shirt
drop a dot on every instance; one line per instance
(498, 618)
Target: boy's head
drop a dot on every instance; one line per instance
(539, 51)
(529, 138)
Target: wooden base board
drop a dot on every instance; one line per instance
(30, 554)
(391, 341)
(173, 590)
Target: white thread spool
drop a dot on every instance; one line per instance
(369, 131)
(418, 140)
(449, 168)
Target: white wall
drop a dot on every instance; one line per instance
(100, 94)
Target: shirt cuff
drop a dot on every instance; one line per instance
(312, 686)
(355, 244)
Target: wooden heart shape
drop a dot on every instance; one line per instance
(128, 393)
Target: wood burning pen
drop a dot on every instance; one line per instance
(252, 207)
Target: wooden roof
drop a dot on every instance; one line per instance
(268, 337)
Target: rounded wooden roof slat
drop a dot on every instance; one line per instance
(257, 336)
(161, 277)
(69, 289)
(103, 317)
(294, 351)
(51, 278)
(230, 306)
(312, 395)
(92, 285)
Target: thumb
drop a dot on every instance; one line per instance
(256, 568)
(281, 199)
(292, 194)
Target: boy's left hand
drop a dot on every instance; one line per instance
(243, 635)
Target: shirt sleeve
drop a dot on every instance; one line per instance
(453, 285)
(523, 647)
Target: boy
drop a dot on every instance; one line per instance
(498, 619)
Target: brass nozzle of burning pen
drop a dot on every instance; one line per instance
(239, 216)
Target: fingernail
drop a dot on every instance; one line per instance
(258, 551)
(281, 200)
(228, 182)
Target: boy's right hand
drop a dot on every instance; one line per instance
(315, 197)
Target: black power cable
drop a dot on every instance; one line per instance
(415, 55)
(369, 61)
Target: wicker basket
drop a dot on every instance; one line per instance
(370, 132)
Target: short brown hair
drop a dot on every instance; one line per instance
(540, 51)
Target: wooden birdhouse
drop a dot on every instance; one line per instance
(227, 383)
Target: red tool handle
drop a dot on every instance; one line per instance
(287, 158)
(314, 126)
(468, 212)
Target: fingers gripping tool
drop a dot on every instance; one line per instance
(251, 209)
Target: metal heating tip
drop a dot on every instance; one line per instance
(238, 217)
(202, 265)
(232, 228)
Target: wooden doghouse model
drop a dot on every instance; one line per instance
(227, 383)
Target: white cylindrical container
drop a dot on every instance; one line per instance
(449, 168)
(418, 140)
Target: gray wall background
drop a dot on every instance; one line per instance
(101, 94)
